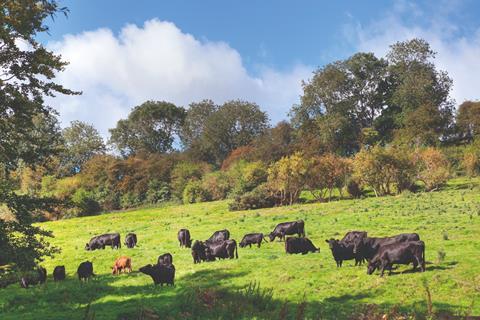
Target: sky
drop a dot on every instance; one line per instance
(123, 53)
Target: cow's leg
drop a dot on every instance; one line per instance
(259, 243)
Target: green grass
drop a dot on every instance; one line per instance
(290, 285)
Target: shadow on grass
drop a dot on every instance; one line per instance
(204, 294)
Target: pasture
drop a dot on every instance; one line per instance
(266, 282)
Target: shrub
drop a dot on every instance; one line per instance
(217, 185)
(85, 201)
(194, 192)
(260, 197)
(129, 200)
(183, 172)
(433, 168)
(158, 191)
(353, 189)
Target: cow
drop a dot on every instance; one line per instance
(398, 253)
(288, 228)
(122, 264)
(184, 238)
(99, 242)
(165, 259)
(369, 246)
(131, 240)
(343, 251)
(59, 273)
(352, 235)
(198, 251)
(222, 250)
(160, 273)
(219, 236)
(252, 238)
(85, 271)
(299, 245)
(39, 276)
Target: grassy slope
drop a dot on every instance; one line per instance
(327, 290)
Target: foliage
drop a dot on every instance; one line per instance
(85, 201)
(150, 128)
(260, 197)
(217, 184)
(184, 172)
(287, 178)
(433, 168)
(194, 192)
(468, 119)
(275, 143)
(158, 191)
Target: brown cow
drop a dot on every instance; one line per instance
(122, 264)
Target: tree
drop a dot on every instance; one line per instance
(326, 173)
(82, 142)
(433, 168)
(28, 70)
(274, 144)
(468, 119)
(150, 127)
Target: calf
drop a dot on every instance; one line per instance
(343, 251)
(85, 271)
(122, 264)
(165, 259)
(160, 273)
(184, 238)
(131, 240)
(198, 251)
(352, 235)
(398, 253)
(288, 228)
(299, 245)
(219, 236)
(252, 238)
(99, 242)
(368, 247)
(59, 273)
(39, 276)
(223, 250)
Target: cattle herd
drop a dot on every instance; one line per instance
(380, 253)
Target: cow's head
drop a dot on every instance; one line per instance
(357, 245)
(87, 246)
(373, 265)
(148, 269)
(188, 243)
(271, 235)
(242, 244)
(332, 243)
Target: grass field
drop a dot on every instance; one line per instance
(290, 285)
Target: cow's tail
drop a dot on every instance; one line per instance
(236, 251)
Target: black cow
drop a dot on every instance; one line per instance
(219, 236)
(288, 228)
(160, 273)
(398, 253)
(223, 250)
(59, 273)
(368, 247)
(39, 276)
(131, 240)
(352, 235)
(165, 259)
(299, 245)
(252, 238)
(198, 251)
(85, 271)
(99, 242)
(184, 238)
(343, 251)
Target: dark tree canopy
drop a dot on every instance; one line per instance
(468, 119)
(150, 128)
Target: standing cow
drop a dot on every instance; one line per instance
(99, 242)
(39, 276)
(59, 273)
(368, 247)
(198, 251)
(122, 264)
(131, 240)
(224, 250)
(85, 271)
(165, 259)
(160, 273)
(343, 251)
(288, 228)
(184, 238)
(252, 238)
(219, 236)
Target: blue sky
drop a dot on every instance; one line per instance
(125, 52)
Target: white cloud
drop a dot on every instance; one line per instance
(160, 62)
(456, 53)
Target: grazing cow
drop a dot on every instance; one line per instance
(219, 236)
(160, 273)
(299, 245)
(184, 238)
(288, 228)
(85, 271)
(165, 259)
(99, 242)
(398, 253)
(252, 238)
(343, 251)
(59, 273)
(39, 276)
(368, 247)
(198, 251)
(122, 264)
(131, 240)
(223, 250)
(352, 235)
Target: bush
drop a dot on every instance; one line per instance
(217, 185)
(260, 197)
(471, 160)
(353, 189)
(85, 202)
(194, 192)
(433, 168)
(158, 191)
(129, 200)
(183, 172)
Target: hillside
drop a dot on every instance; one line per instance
(448, 221)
